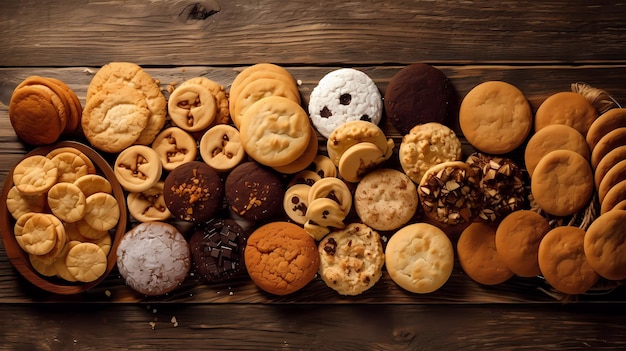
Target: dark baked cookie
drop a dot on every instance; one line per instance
(254, 192)
(420, 93)
(217, 249)
(193, 192)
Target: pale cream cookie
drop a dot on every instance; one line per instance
(138, 168)
(86, 262)
(93, 183)
(19, 204)
(35, 175)
(102, 212)
(67, 202)
(192, 107)
(148, 205)
(221, 147)
(174, 147)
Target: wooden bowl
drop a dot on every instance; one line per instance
(19, 258)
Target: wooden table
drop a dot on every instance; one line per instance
(541, 47)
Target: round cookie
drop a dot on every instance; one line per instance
(426, 145)
(217, 249)
(607, 162)
(37, 115)
(343, 95)
(193, 192)
(419, 258)
(605, 246)
(174, 147)
(153, 258)
(615, 175)
(138, 168)
(567, 108)
(351, 259)
(243, 76)
(219, 94)
(19, 204)
(562, 183)
(607, 143)
(247, 76)
(517, 241)
(281, 258)
(450, 193)
(148, 205)
(501, 184)
(604, 124)
(305, 159)
(613, 197)
(385, 199)
(476, 249)
(352, 133)
(420, 93)
(495, 117)
(254, 192)
(563, 263)
(260, 89)
(35, 175)
(221, 147)
(86, 262)
(550, 138)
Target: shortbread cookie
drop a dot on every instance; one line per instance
(254, 73)
(281, 258)
(275, 131)
(604, 245)
(153, 258)
(495, 117)
(501, 184)
(607, 143)
(222, 115)
(517, 241)
(478, 256)
(563, 263)
(351, 259)
(102, 212)
(254, 192)
(192, 107)
(38, 235)
(567, 108)
(18, 227)
(450, 193)
(296, 202)
(138, 168)
(343, 95)
(131, 75)
(37, 114)
(562, 183)
(385, 199)
(71, 166)
(221, 148)
(419, 258)
(360, 159)
(93, 183)
(174, 147)
(35, 175)
(113, 119)
(193, 192)
(418, 94)
(607, 162)
(613, 197)
(305, 160)
(604, 124)
(60, 264)
(148, 205)
(91, 168)
(67, 202)
(550, 138)
(19, 204)
(89, 232)
(41, 266)
(261, 89)
(615, 175)
(86, 262)
(426, 145)
(354, 132)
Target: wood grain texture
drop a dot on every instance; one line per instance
(213, 32)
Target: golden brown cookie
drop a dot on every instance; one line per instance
(517, 241)
(244, 76)
(425, 146)
(35, 175)
(138, 168)
(360, 159)
(354, 132)
(550, 138)
(257, 90)
(615, 175)
(495, 117)
(91, 168)
(148, 205)
(478, 256)
(567, 108)
(604, 245)
(562, 183)
(351, 259)
(281, 258)
(296, 202)
(305, 160)
(563, 263)
(19, 204)
(385, 199)
(605, 123)
(333, 188)
(67, 202)
(93, 183)
(192, 107)
(71, 166)
(613, 197)
(324, 166)
(607, 143)
(607, 162)
(75, 111)
(174, 147)
(275, 131)
(219, 94)
(102, 212)
(419, 258)
(86, 262)
(38, 234)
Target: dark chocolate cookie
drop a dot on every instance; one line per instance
(254, 192)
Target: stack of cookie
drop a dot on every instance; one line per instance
(43, 109)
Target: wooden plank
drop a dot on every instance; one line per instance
(162, 32)
(305, 327)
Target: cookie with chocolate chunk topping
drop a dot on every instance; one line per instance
(254, 192)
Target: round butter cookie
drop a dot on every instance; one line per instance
(138, 168)
(343, 95)
(37, 114)
(478, 256)
(351, 259)
(248, 74)
(254, 192)
(221, 147)
(35, 175)
(615, 175)
(563, 263)
(426, 145)
(551, 138)
(19, 204)
(450, 193)
(174, 147)
(304, 160)
(613, 197)
(604, 124)
(605, 246)
(259, 89)
(148, 205)
(608, 143)
(281, 258)
(517, 241)
(192, 107)
(567, 108)
(153, 258)
(419, 258)
(562, 183)
(495, 117)
(354, 132)
(607, 162)
(385, 199)
(222, 115)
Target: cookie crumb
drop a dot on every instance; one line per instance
(152, 325)
(174, 321)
